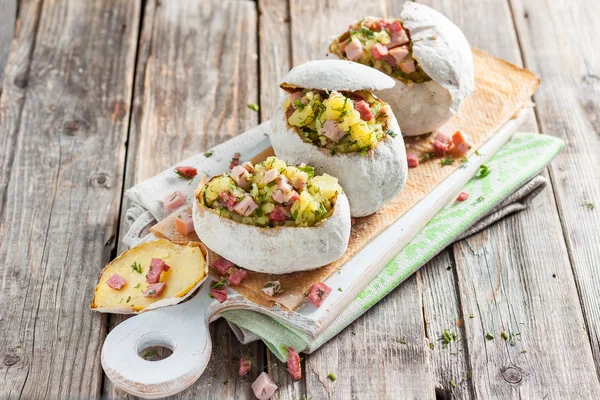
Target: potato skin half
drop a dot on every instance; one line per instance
(369, 180)
(276, 250)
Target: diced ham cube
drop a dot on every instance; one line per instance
(157, 266)
(219, 294)
(244, 366)
(392, 26)
(240, 175)
(343, 44)
(441, 144)
(116, 281)
(354, 49)
(279, 214)
(408, 67)
(246, 206)
(228, 200)
(283, 184)
(283, 198)
(184, 223)
(237, 276)
(462, 196)
(235, 161)
(293, 364)
(332, 131)
(264, 387)
(364, 110)
(399, 54)
(318, 293)
(222, 265)
(299, 95)
(461, 143)
(175, 200)
(270, 176)
(413, 160)
(155, 290)
(399, 38)
(379, 51)
(186, 172)
(298, 183)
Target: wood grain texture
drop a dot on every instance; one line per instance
(568, 106)
(7, 25)
(60, 198)
(196, 73)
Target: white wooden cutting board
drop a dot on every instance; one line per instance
(184, 328)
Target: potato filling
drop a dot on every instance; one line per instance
(382, 44)
(342, 122)
(273, 193)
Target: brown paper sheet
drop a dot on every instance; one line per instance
(501, 91)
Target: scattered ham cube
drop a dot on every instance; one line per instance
(293, 364)
(222, 265)
(462, 196)
(283, 184)
(116, 281)
(365, 111)
(270, 176)
(264, 387)
(332, 131)
(379, 51)
(461, 143)
(413, 160)
(184, 223)
(282, 198)
(408, 67)
(244, 366)
(279, 214)
(235, 160)
(318, 293)
(240, 175)
(237, 276)
(157, 266)
(441, 144)
(228, 200)
(246, 206)
(155, 290)
(219, 294)
(399, 54)
(186, 172)
(399, 38)
(354, 49)
(175, 200)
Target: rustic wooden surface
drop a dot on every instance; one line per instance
(97, 97)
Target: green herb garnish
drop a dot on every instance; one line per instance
(128, 299)
(447, 161)
(136, 267)
(332, 152)
(489, 336)
(391, 133)
(483, 171)
(149, 353)
(464, 161)
(332, 376)
(504, 335)
(401, 340)
(253, 107)
(339, 289)
(447, 337)
(208, 154)
(452, 383)
(426, 157)
(589, 205)
(310, 170)
(220, 284)
(363, 152)
(471, 316)
(431, 346)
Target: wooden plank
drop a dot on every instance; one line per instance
(59, 205)
(568, 106)
(197, 71)
(7, 26)
(516, 279)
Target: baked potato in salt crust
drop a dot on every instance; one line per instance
(273, 217)
(332, 120)
(124, 286)
(426, 54)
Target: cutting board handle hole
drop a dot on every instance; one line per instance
(155, 346)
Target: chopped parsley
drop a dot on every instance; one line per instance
(471, 316)
(136, 267)
(310, 170)
(332, 376)
(452, 383)
(363, 152)
(464, 161)
(447, 161)
(480, 199)
(504, 335)
(253, 107)
(339, 289)
(401, 340)
(128, 299)
(478, 153)
(220, 284)
(391, 133)
(589, 205)
(447, 338)
(208, 154)
(332, 152)
(426, 157)
(489, 336)
(431, 346)
(483, 171)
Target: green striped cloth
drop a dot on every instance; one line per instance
(515, 164)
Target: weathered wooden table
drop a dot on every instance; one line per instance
(99, 95)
